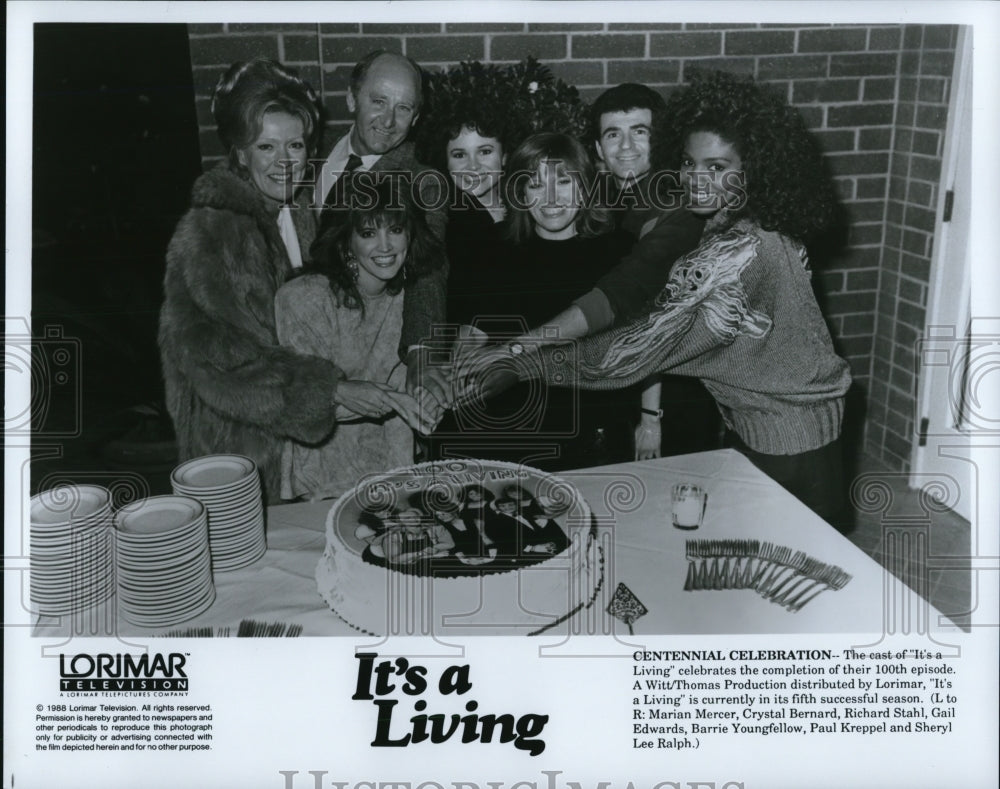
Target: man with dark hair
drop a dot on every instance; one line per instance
(621, 123)
(384, 100)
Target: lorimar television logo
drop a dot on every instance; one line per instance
(84, 672)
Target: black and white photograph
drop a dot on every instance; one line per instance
(551, 394)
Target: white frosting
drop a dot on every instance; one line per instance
(506, 600)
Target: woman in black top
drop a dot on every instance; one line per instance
(561, 244)
(469, 139)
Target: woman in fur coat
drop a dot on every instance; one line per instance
(230, 387)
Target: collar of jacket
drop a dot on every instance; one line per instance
(399, 158)
(223, 189)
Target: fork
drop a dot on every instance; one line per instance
(832, 578)
(781, 563)
(797, 568)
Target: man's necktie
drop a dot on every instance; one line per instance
(341, 189)
(353, 163)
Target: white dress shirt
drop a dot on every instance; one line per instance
(335, 164)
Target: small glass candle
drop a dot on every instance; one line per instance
(688, 505)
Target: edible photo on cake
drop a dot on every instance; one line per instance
(459, 530)
(448, 530)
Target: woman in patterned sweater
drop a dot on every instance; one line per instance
(738, 312)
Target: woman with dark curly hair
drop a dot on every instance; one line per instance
(347, 308)
(469, 140)
(784, 186)
(738, 312)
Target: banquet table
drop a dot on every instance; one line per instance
(642, 550)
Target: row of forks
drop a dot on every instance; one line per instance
(248, 628)
(775, 572)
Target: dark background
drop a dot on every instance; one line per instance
(115, 151)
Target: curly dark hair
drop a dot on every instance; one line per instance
(469, 112)
(505, 102)
(389, 203)
(787, 186)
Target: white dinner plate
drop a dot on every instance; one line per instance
(65, 542)
(68, 503)
(94, 539)
(158, 515)
(70, 571)
(211, 472)
(238, 542)
(245, 488)
(177, 542)
(171, 576)
(167, 587)
(48, 589)
(244, 534)
(226, 563)
(171, 617)
(69, 599)
(173, 571)
(165, 599)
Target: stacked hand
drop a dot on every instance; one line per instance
(476, 371)
(368, 399)
(430, 386)
(482, 371)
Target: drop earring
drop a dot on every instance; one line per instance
(352, 266)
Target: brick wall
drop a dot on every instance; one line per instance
(875, 95)
(926, 64)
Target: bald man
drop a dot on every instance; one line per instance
(384, 100)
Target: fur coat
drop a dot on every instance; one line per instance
(230, 388)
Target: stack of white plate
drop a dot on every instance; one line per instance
(72, 563)
(229, 487)
(164, 565)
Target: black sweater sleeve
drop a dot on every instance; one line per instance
(631, 284)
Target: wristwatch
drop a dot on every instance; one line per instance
(658, 413)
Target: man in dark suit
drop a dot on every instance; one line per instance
(384, 100)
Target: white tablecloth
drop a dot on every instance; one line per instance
(631, 502)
